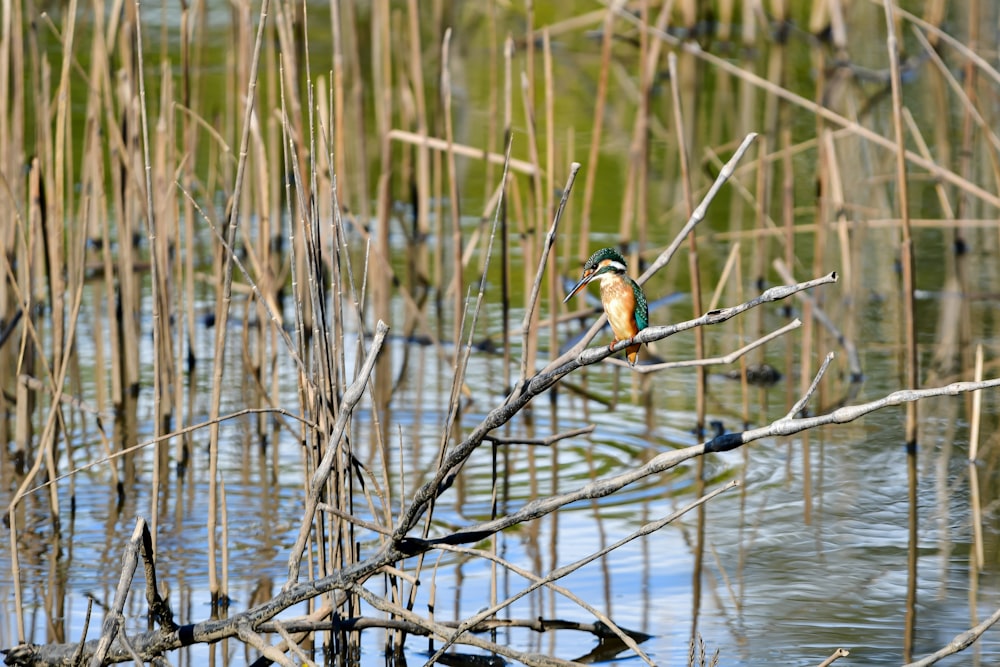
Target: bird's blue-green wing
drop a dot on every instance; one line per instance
(641, 307)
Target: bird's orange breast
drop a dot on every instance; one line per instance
(619, 304)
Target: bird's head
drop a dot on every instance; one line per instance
(602, 262)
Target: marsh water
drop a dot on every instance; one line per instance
(808, 554)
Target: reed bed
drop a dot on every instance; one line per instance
(213, 219)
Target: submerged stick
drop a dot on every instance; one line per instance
(836, 655)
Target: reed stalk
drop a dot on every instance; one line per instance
(222, 311)
(971, 78)
(505, 279)
(457, 283)
(600, 99)
(909, 328)
(552, 272)
(62, 173)
(809, 337)
(530, 239)
(416, 74)
(752, 11)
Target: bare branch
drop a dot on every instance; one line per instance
(959, 643)
(836, 655)
(801, 403)
(713, 361)
(550, 240)
(786, 426)
(248, 636)
(542, 442)
(650, 334)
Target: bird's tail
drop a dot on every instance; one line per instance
(632, 354)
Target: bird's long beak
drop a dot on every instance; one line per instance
(577, 287)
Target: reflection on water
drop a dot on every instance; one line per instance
(776, 587)
(807, 555)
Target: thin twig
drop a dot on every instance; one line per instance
(444, 632)
(353, 518)
(701, 210)
(173, 434)
(649, 334)
(78, 654)
(536, 286)
(804, 399)
(542, 442)
(842, 415)
(725, 359)
(248, 636)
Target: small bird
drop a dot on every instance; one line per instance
(623, 300)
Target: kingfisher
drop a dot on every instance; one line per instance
(624, 302)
